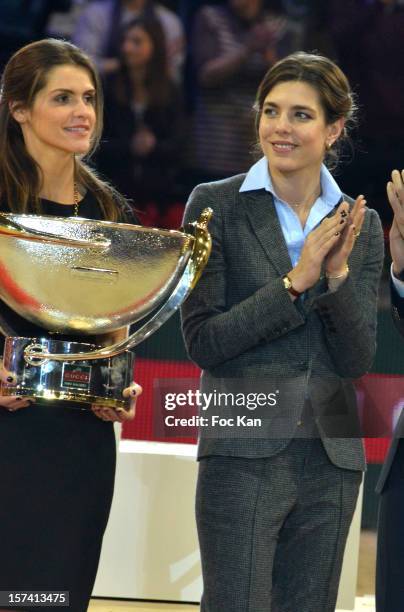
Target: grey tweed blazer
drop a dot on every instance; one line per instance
(239, 322)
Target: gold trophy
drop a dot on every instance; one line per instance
(78, 277)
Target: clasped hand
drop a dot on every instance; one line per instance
(331, 243)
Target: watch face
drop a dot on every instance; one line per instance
(287, 282)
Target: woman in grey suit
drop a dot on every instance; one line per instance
(287, 303)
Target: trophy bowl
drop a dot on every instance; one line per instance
(80, 277)
(87, 277)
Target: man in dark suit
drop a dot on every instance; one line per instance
(390, 549)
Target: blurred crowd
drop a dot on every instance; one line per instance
(180, 78)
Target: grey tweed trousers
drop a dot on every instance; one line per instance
(272, 531)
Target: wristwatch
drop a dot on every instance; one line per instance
(289, 286)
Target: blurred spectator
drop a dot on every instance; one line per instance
(143, 122)
(23, 21)
(369, 41)
(317, 26)
(62, 23)
(100, 23)
(297, 9)
(232, 47)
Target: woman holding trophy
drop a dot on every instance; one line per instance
(57, 464)
(287, 304)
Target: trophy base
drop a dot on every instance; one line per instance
(73, 384)
(66, 399)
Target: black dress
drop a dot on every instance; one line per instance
(57, 468)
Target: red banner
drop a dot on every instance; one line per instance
(380, 400)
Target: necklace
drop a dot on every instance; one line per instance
(76, 202)
(307, 200)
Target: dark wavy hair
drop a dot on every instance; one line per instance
(20, 176)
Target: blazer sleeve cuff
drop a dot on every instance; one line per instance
(339, 309)
(281, 313)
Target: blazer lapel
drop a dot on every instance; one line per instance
(261, 211)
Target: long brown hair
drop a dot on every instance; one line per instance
(328, 80)
(20, 176)
(157, 78)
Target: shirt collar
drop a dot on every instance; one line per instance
(258, 177)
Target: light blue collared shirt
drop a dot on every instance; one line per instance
(258, 177)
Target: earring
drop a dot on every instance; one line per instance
(328, 145)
